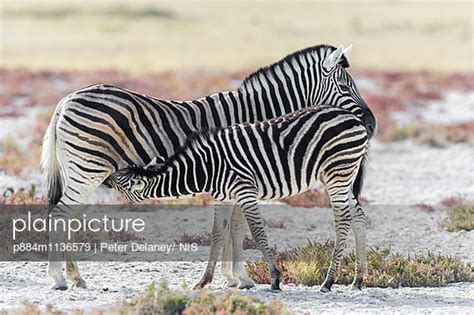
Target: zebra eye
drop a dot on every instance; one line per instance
(344, 87)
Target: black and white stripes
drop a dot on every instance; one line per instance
(272, 159)
(99, 129)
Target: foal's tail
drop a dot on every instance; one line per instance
(50, 166)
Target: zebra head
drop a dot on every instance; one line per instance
(129, 180)
(339, 87)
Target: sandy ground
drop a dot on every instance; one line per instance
(393, 224)
(114, 281)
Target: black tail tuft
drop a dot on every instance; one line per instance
(55, 189)
(359, 181)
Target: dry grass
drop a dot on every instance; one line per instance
(431, 134)
(308, 265)
(148, 36)
(310, 198)
(460, 217)
(163, 301)
(12, 159)
(21, 196)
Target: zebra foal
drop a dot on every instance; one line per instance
(272, 159)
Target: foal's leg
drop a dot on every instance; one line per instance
(359, 228)
(221, 222)
(238, 228)
(246, 196)
(342, 221)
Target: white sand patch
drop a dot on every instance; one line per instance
(453, 108)
(406, 173)
(390, 227)
(15, 126)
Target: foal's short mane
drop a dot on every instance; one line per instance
(269, 70)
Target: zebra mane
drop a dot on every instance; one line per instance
(289, 59)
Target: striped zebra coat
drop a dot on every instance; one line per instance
(270, 160)
(99, 129)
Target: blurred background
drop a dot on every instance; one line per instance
(412, 61)
(144, 36)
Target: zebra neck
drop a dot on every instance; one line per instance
(187, 174)
(273, 96)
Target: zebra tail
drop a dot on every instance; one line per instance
(49, 162)
(359, 180)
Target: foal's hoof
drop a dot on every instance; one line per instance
(60, 287)
(326, 286)
(325, 289)
(357, 285)
(80, 284)
(199, 286)
(205, 280)
(276, 289)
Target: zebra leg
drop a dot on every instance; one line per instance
(342, 221)
(221, 219)
(55, 257)
(247, 199)
(55, 269)
(238, 234)
(72, 196)
(359, 228)
(227, 261)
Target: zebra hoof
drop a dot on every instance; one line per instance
(356, 285)
(231, 283)
(59, 287)
(276, 289)
(324, 289)
(205, 280)
(80, 284)
(247, 286)
(199, 286)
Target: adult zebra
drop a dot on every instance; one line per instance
(272, 159)
(99, 129)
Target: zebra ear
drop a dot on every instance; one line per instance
(333, 59)
(346, 51)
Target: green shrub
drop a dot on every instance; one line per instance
(461, 217)
(163, 301)
(21, 196)
(308, 265)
